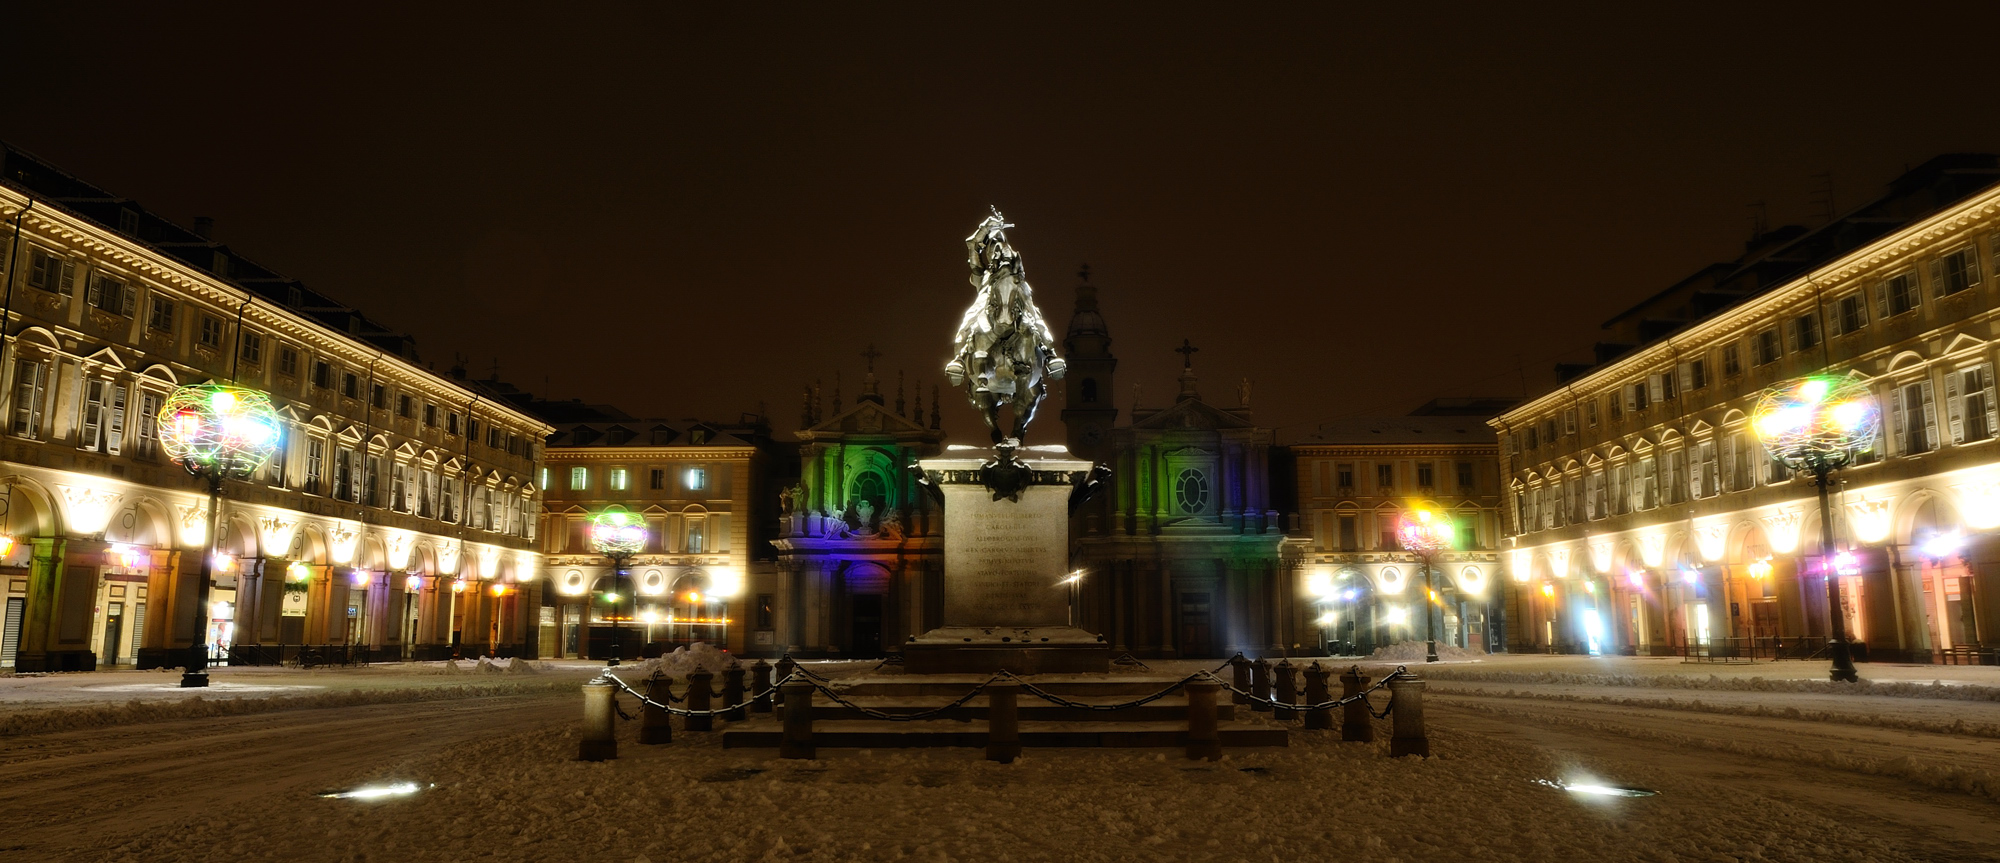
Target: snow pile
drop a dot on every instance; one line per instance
(687, 660)
(1415, 651)
(1935, 689)
(136, 710)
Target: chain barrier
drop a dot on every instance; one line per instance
(901, 717)
(679, 711)
(1060, 701)
(1361, 696)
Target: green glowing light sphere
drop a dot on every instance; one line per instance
(219, 429)
(617, 533)
(1815, 423)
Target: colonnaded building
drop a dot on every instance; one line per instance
(396, 515)
(1647, 518)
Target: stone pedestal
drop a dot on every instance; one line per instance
(1006, 551)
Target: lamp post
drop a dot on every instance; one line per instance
(1815, 424)
(1426, 535)
(215, 432)
(618, 535)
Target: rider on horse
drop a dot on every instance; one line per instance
(1004, 350)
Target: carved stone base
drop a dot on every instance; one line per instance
(1021, 650)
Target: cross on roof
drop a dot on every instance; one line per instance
(870, 356)
(1187, 351)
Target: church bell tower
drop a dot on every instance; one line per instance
(1088, 413)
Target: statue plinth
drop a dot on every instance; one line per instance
(1006, 550)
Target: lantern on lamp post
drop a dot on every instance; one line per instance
(1426, 535)
(215, 432)
(1815, 424)
(618, 535)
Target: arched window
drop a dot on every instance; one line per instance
(869, 487)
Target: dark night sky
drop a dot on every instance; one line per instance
(685, 214)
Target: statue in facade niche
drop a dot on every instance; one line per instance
(865, 511)
(1004, 353)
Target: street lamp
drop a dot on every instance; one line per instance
(215, 432)
(618, 535)
(1426, 535)
(1815, 424)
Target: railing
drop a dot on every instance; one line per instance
(1969, 655)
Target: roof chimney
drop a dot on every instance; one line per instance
(204, 227)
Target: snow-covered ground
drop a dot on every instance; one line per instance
(1777, 770)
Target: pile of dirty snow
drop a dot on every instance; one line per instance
(1415, 651)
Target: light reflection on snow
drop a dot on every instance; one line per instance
(372, 792)
(1598, 789)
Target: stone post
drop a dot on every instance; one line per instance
(1355, 724)
(600, 736)
(1260, 686)
(1204, 737)
(1321, 718)
(1287, 690)
(1239, 677)
(698, 697)
(760, 683)
(1406, 700)
(786, 665)
(655, 726)
(797, 741)
(732, 692)
(1003, 722)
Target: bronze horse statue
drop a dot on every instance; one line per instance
(1005, 353)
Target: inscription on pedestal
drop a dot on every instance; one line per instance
(1003, 558)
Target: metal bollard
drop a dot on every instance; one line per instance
(1003, 722)
(1406, 700)
(1287, 691)
(655, 724)
(1355, 724)
(732, 692)
(1204, 738)
(1316, 693)
(698, 699)
(760, 681)
(1239, 677)
(797, 741)
(600, 736)
(1260, 686)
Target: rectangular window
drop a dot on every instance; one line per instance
(1385, 533)
(1617, 408)
(253, 348)
(1707, 471)
(276, 466)
(451, 423)
(211, 331)
(371, 479)
(1969, 394)
(617, 479)
(1465, 477)
(1590, 414)
(1899, 294)
(315, 465)
(1385, 476)
(579, 478)
(31, 380)
(696, 536)
(1349, 538)
(1767, 347)
(161, 316)
(1732, 360)
(1805, 332)
(1673, 478)
(1914, 418)
(322, 375)
(1955, 272)
(378, 396)
(448, 501)
(1621, 489)
(430, 414)
(89, 432)
(350, 385)
(405, 406)
(657, 480)
(767, 610)
(1737, 453)
(344, 486)
(1593, 492)
(149, 410)
(110, 295)
(1850, 314)
(696, 479)
(51, 273)
(1647, 489)
(472, 427)
(114, 421)
(1692, 375)
(1426, 474)
(493, 437)
(1775, 471)
(1345, 473)
(1534, 437)
(1569, 421)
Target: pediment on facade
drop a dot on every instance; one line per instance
(1701, 427)
(1592, 461)
(1733, 416)
(1642, 446)
(1186, 452)
(1963, 342)
(161, 372)
(1193, 414)
(349, 434)
(1614, 452)
(407, 450)
(291, 413)
(108, 357)
(865, 418)
(1571, 465)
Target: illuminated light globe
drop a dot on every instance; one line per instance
(1816, 423)
(219, 429)
(617, 533)
(1426, 533)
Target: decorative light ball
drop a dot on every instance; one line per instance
(1815, 423)
(617, 533)
(1425, 532)
(230, 431)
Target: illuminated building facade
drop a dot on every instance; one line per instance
(392, 483)
(860, 546)
(708, 500)
(1356, 481)
(1646, 517)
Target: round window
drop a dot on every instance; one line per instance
(1191, 490)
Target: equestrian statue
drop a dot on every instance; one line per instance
(1004, 353)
